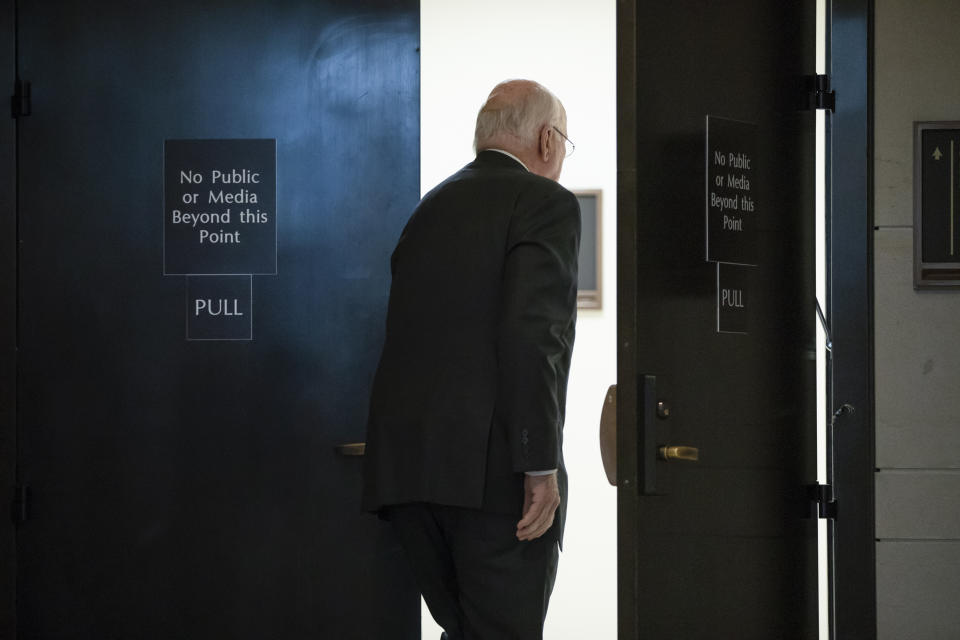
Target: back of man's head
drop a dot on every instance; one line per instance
(513, 114)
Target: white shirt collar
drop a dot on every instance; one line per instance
(507, 153)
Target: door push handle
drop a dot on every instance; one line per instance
(671, 453)
(608, 435)
(352, 449)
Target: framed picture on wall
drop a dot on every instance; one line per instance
(591, 254)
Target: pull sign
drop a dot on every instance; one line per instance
(20, 100)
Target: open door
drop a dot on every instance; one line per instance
(716, 377)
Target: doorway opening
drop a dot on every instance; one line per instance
(582, 74)
(571, 51)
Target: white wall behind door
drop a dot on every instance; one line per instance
(468, 46)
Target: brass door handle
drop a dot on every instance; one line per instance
(352, 449)
(690, 454)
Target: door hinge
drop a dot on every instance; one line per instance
(821, 495)
(21, 504)
(20, 100)
(819, 94)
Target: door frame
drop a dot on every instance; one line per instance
(852, 554)
(8, 328)
(627, 307)
(850, 377)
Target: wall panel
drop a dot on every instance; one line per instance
(917, 338)
(918, 504)
(919, 588)
(917, 362)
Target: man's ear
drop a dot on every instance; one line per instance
(546, 148)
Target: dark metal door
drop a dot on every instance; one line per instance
(190, 488)
(715, 320)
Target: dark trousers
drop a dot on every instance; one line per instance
(478, 580)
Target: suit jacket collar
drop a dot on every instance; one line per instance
(490, 158)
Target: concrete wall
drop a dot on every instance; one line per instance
(917, 337)
(467, 46)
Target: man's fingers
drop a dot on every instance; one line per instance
(538, 520)
(541, 499)
(538, 528)
(527, 502)
(532, 510)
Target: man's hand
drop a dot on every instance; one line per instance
(540, 501)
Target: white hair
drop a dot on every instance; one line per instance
(519, 118)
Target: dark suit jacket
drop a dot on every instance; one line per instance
(471, 386)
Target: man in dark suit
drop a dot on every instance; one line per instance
(466, 414)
